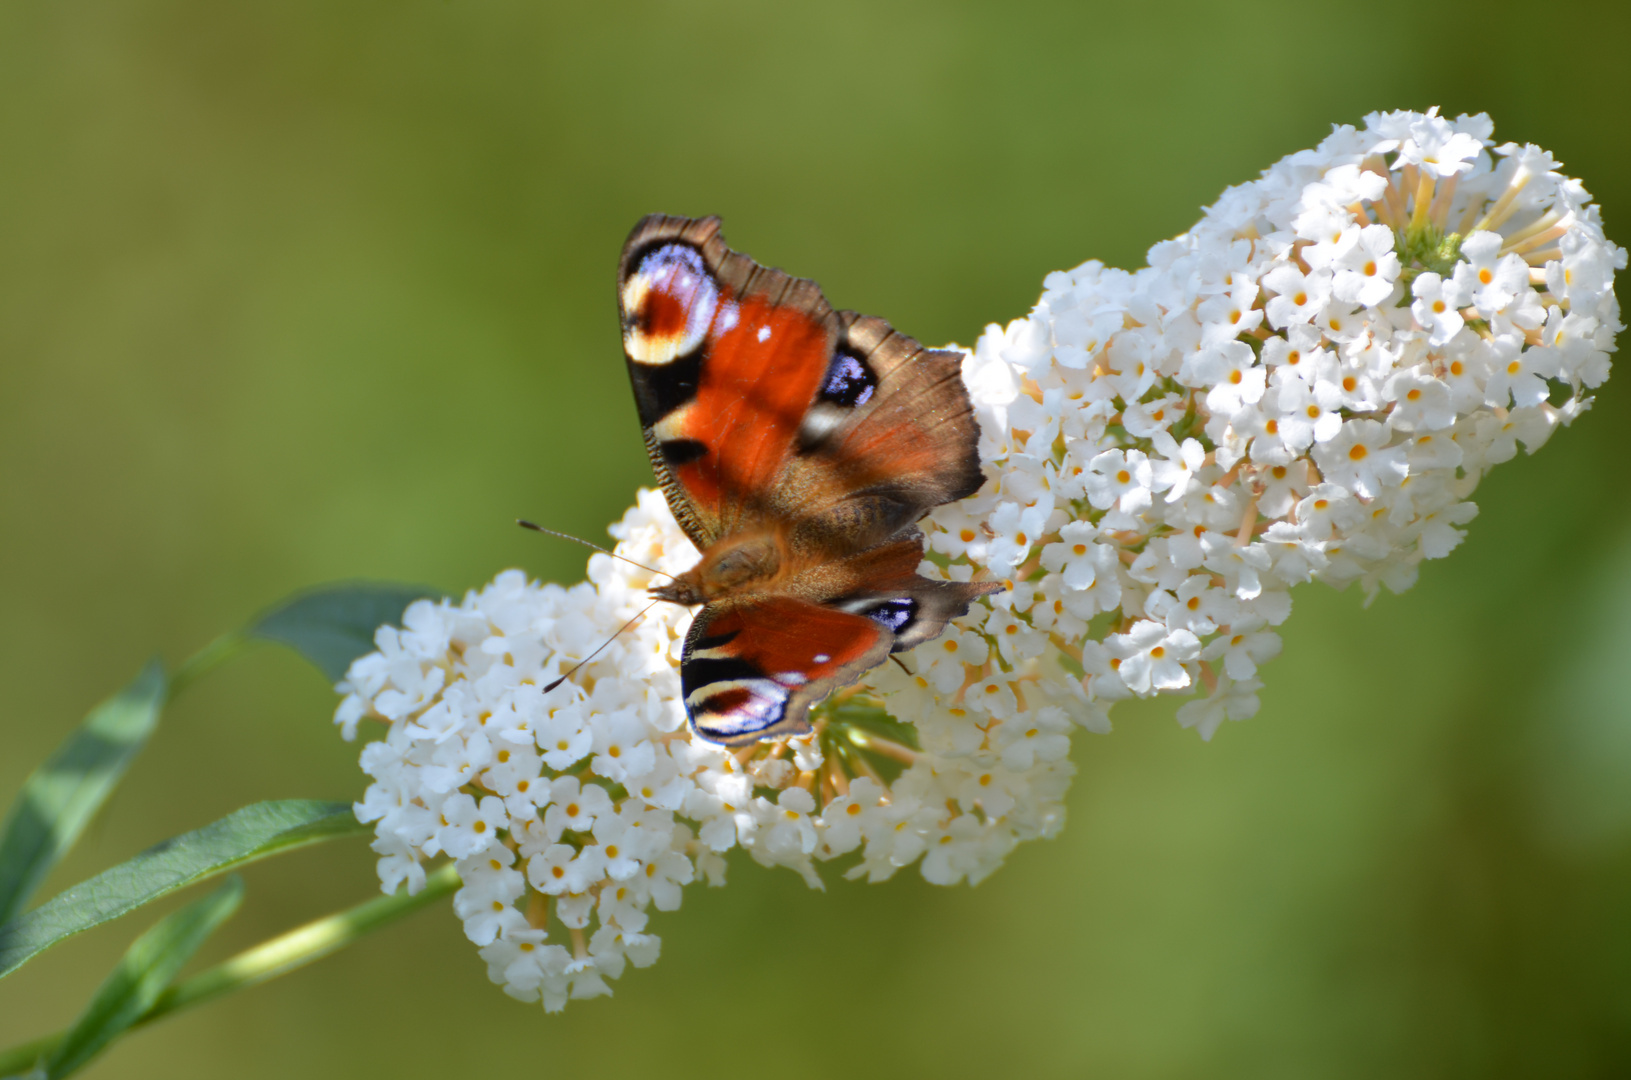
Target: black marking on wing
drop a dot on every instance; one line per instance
(697, 672)
(679, 452)
(713, 642)
(659, 389)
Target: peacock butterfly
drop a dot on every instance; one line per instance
(797, 446)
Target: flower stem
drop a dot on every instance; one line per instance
(269, 959)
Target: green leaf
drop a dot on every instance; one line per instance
(244, 836)
(62, 796)
(332, 627)
(146, 971)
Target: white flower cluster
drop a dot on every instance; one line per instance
(1308, 385)
(584, 805)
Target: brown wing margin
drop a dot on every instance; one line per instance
(926, 386)
(701, 534)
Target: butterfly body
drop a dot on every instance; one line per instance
(797, 446)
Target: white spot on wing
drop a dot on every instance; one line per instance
(820, 422)
(764, 333)
(820, 658)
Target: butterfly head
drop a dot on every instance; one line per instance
(735, 564)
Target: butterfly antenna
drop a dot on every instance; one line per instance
(603, 644)
(587, 544)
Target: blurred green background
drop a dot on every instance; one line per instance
(302, 291)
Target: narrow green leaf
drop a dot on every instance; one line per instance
(62, 795)
(278, 956)
(333, 626)
(143, 975)
(243, 836)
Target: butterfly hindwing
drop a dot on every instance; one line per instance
(753, 666)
